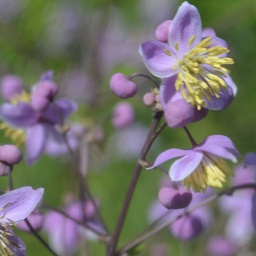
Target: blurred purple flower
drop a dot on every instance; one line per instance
(196, 62)
(64, 233)
(241, 206)
(220, 246)
(39, 124)
(123, 115)
(15, 206)
(203, 165)
(190, 225)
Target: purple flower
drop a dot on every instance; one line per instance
(190, 225)
(64, 233)
(38, 124)
(15, 206)
(241, 206)
(203, 165)
(195, 59)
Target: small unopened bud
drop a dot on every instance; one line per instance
(35, 219)
(172, 198)
(39, 102)
(161, 32)
(149, 99)
(220, 246)
(187, 227)
(47, 89)
(123, 115)
(10, 154)
(10, 86)
(121, 86)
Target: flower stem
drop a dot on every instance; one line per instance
(152, 134)
(135, 242)
(145, 76)
(193, 142)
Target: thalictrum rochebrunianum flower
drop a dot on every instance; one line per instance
(15, 206)
(203, 165)
(194, 58)
(39, 125)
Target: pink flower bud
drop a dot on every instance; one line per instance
(121, 86)
(187, 227)
(36, 221)
(11, 85)
(10, 154)
(220, 246)
(47, 89)
(172, 198)
(161, 32)
(39, 102)
(123, 115)
(149, 99)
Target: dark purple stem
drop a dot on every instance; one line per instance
(135, 242)
(111, 250)
(193, 142)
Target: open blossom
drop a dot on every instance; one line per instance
(203, 165)
(15, 206)
(195, 58)
(241, 205)
(37, 122)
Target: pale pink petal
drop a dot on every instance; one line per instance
(183, 167)
(167, 155)
(156, 59)
(186, 23)
(17, 204)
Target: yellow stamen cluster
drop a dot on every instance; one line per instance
(4, 241)
(211, 172)
(201, 72)
(24, 96)
(15, 134)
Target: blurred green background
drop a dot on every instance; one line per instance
(84, 42)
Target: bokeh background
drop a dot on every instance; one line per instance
(84, 42)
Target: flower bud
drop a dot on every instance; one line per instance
(39, 102)
(47, 89)
(122, 86)
(220, 246)
(187, 227)
(10, 154)
(172, 198)
(161, 32)
(36, 221)
(149, 99)
(11, 85)
(123, 115)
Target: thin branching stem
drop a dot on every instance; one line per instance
(152, 135)
(138, 240)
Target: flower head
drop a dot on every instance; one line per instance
(203, 165)
(194, 58)
(15, 206)
(36, 122)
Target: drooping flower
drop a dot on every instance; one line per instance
(15, 206)
(194, 58)
(203, 165)
(38, 123)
